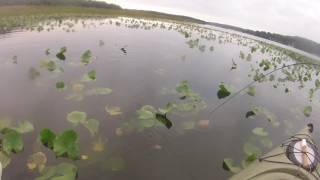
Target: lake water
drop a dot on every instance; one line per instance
(142, 62)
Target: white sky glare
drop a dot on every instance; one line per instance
(288, 17)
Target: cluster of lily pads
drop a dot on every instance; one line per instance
(66, 144)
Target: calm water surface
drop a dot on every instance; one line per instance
(155, 61)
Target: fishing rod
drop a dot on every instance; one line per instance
(253, 82)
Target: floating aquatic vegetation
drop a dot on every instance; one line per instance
(11, 141)
(86, 57)
(223, 91)
(113, 110)
(60, 85)
(90, 76)
(49, 65)
(260, 131)
(307, 111)
(77, 117)
(63, 145)
(23, 127)
(258, 110)
(63, 171)
(61, 54)
(4, 159)
(228, 165)
(38, 161)
(251, 90)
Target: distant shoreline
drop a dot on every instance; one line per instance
(23, 10)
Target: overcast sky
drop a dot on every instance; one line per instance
(289, 17)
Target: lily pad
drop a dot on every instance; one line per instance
(146, 112)
(249, 149)
(92, 125)
(164, 120)
(4, 159)
(60, 85)
(251, 91)
(49, 65)
(249, 159)
(37, 160)
(260, 131)
(223, 92)
(229, 165)
(63, 171)
(86, 57)
(307, 111)
(12, 141)
(90, 76)
(24, 127)
(66, 145)
(113, 110)
(60, 55)
(47, 138)
(77, 117)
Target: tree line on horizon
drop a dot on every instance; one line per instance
(82, 3)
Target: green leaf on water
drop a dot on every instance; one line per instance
(184, 89)
(24, 127)
(66, 145)
(164, 120)
(250, 113)
(229, 165)
(86, 57)
(251, 90)
(307, 111)
(266, 142)
(60, 55)
(49, 65)
(76, 117)
(146, 112)
(92, 125)
(4, 159)
(249, 149)
(260, 131)
(249, 159)
(169, 107)
(60, 85)
(37, 160)
(12, 141)
(47, 137)
(223, 91)
(113, 110)
(90, 76)
(63, 171)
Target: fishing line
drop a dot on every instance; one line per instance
(253, 82)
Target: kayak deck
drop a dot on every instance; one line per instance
(277, 165)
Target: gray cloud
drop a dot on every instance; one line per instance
(289, 17)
